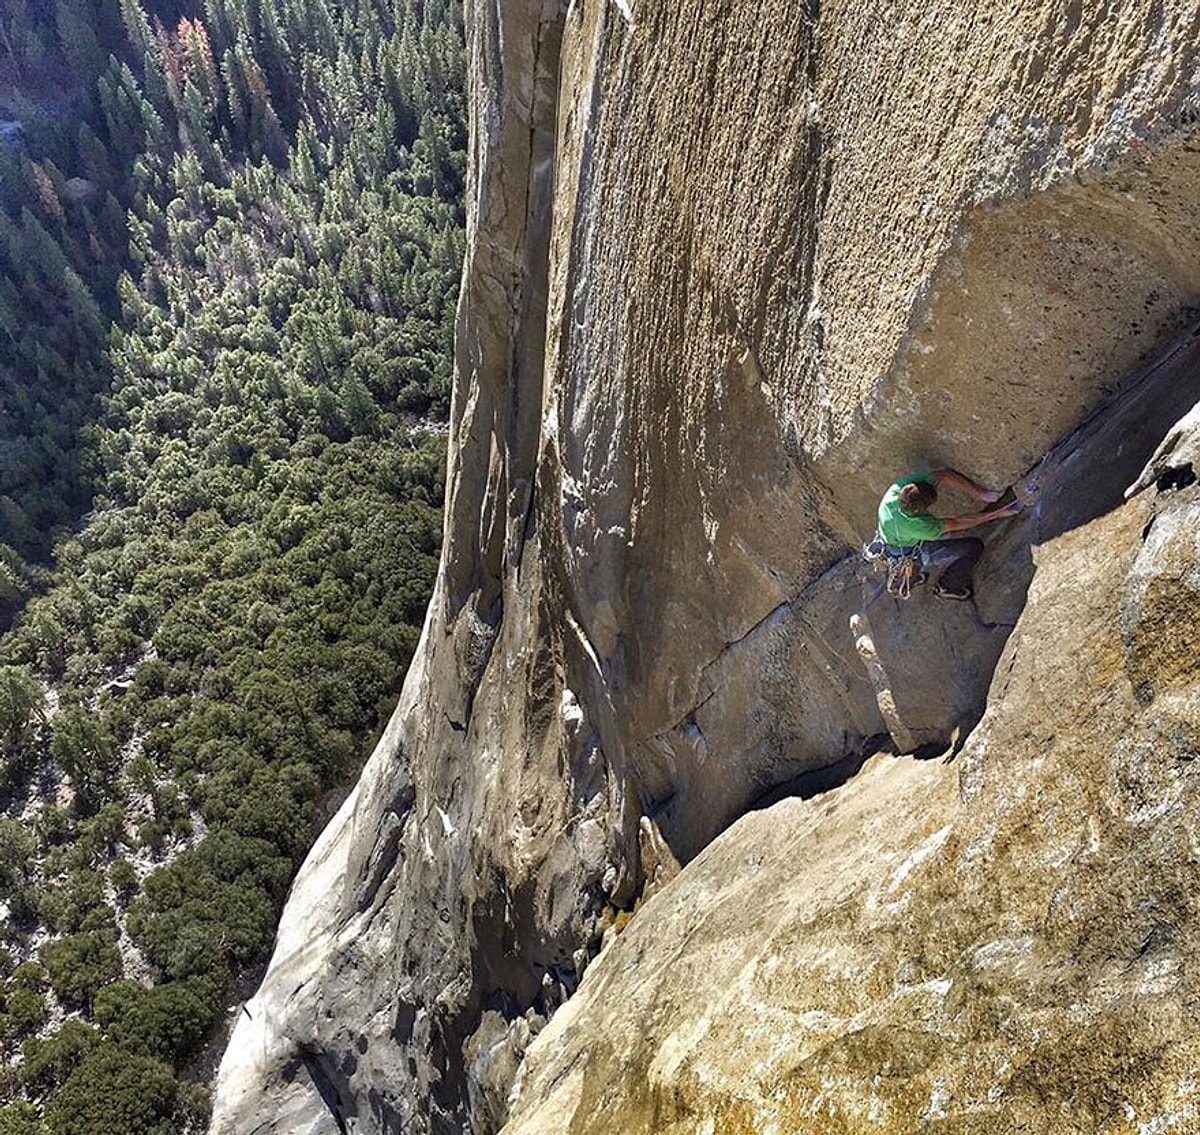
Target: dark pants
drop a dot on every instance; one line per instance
(957, 558)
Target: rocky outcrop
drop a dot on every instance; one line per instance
(1007, 943)
(730, 267)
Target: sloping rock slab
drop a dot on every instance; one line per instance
(1008, 943)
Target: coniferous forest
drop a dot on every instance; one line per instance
(231, 233)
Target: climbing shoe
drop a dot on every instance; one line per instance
(951, 592)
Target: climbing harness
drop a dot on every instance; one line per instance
(903, 565)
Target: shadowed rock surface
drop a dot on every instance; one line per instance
(731, 267)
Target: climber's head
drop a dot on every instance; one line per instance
(917, 497)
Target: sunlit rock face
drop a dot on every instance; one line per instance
(731, 267)
(1003, 943)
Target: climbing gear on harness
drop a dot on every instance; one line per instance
(903, 565)
(903, 575)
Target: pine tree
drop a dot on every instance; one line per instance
(83, 306)
(274, 51)
(201, 69)
(233, 78)
(40, 251)
(265, 125)
(216, 18)
(137, 28)
(94, 155)
(81, 50)
(32, 45)
(304, 164)
(44, 192)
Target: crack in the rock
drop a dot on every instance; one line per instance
(326, 1089)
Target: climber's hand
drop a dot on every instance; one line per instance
(1025, 493)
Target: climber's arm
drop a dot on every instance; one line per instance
(962, 523)
(963, 483)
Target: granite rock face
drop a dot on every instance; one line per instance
(1007, 943)
(731, 267)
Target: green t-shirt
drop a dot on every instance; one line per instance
(902, 529)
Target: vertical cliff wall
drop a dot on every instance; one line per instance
(1005, 942)
(730, 268)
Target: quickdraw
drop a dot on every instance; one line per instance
(903, 565)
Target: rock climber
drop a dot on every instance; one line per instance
(908, 528)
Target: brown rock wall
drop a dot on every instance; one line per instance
(1008, 946)
(788, 262)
